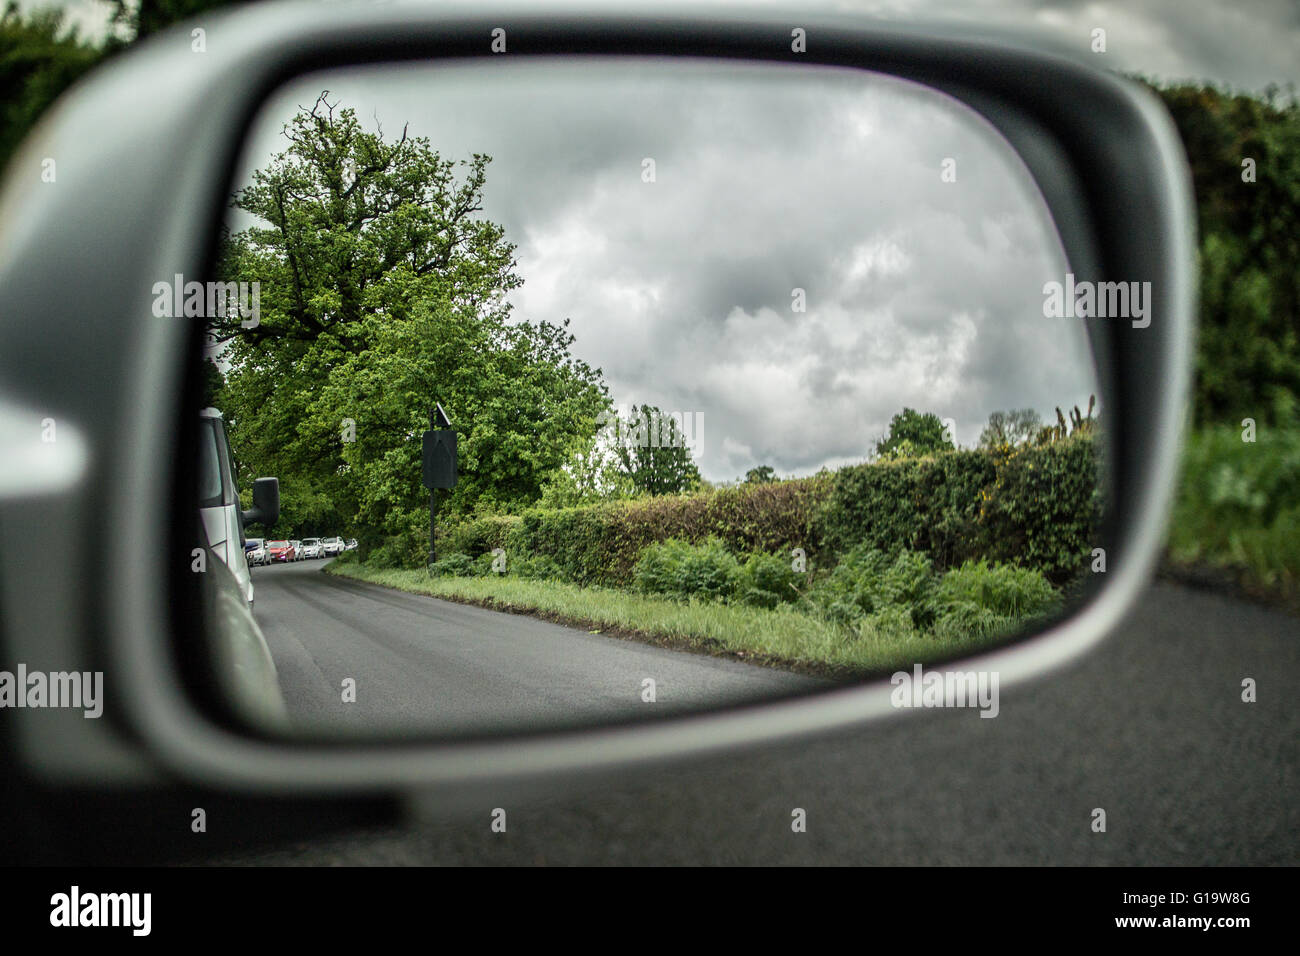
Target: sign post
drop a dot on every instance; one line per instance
(439, 461)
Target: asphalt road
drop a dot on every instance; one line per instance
(1150, 727)
(430, 666)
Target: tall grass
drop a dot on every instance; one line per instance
(781, 636)
(1238, 506)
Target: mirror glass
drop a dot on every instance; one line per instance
(726, 382)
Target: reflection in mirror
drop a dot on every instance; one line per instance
(727, 382)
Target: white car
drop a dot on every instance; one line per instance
(333, 547)
(223, 519)
(255, 551)
(311, 548)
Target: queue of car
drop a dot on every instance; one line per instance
(260, 551)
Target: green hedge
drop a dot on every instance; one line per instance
(601, 544)
(929, 504)
(1044, 510)
(480, 535)
(1036, 507)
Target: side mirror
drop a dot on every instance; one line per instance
(266, 503)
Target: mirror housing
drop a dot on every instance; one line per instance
(266, 503)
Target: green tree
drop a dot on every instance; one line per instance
(914, 433)
(591, 471)
(39, 59)
(1244, 153)
(652, 451)
(213, 383)
(762, 475)
(382, 291)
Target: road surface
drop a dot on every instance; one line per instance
(1150, 727)
(425, 665)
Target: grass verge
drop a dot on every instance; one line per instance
(782, 638)
(1236, 519)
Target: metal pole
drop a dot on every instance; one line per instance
(433, 509)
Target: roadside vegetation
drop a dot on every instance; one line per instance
(1238, 503)
(851, 624)
(1237, 514)
(911, 557)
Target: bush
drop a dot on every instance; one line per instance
(1002, 590)
(454, 566)
(891, 596)
(657, 571)
(684, 570)
(1037, 507)
(708, 570)
(1034, 506)
(964, 620)
(535, 568)
(919, 504)
(477, 536)
(1238, 505)
(766, 580)
(1043, 510)
(891, 622)
(867, 581)
(602, 544)
(397, 551)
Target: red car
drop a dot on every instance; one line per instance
(281, 551)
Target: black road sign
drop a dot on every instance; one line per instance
(439, 467)
(439, 459)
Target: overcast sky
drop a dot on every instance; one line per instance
(919, 292)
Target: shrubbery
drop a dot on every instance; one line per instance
(1034, 506)
(766, 580)
(682, 570)
(1037, 507)
(477, 536)
(869, 591)
(455, 566)
(461, 565)
(601, 544)
(1238, 505)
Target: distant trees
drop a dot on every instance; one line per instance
(652, 451)
(1244, 153)
(762, 475)
(1024, 427)
(1010, 428)
(914, 433)
(39, 59)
